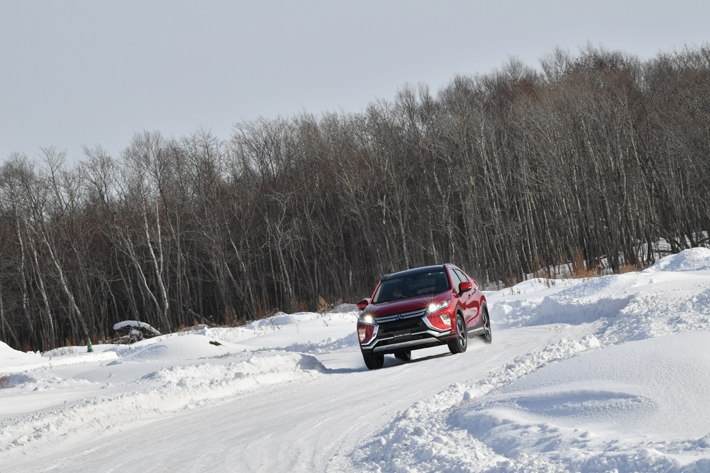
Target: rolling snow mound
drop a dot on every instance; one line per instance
(693, 259)
(673, 296)
(11, 359)
(603, 402)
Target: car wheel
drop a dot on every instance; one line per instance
(405, 355)
(458, 345)
(374, 361)
(487, 335)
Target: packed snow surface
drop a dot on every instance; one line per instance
(606, 374)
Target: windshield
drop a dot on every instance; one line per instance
(410, 285)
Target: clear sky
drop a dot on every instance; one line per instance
(76, 73)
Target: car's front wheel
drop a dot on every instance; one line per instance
(459, 344)
(374, 361)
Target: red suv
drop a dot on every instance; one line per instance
(421, 308)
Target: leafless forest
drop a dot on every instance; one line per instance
(593, 156)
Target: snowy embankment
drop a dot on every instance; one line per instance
(611, 373)
(55, 394)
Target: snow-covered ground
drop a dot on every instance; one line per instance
(607, 374)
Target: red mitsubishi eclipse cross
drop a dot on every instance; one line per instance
(421, 308)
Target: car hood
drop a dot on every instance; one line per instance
(406, 305)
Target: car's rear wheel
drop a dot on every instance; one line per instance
(374, 361)
(487, 335)
(459, 344)
(405, 355)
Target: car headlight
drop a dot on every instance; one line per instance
(366, 319)
(437, 307)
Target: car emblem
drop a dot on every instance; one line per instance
(399, 316)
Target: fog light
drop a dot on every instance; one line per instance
(446, 318)
(365, 332)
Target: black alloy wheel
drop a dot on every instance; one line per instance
(487, 335)
(459, 344)
(374, 361)
(405, 355)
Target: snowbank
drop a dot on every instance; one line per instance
(147, 397)
(631, 306)
(13, 360)
(172, 348)
(598, 411)
(693, 259)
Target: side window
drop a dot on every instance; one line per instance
(462, 276)
(454, 279)
(473, 281)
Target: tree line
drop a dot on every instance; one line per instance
(592, 158)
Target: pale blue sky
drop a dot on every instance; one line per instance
(76, 73)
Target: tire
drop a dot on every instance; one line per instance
(374, 362)
(405, 355)
(487, 335)
(459, 344)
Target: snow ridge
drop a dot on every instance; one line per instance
(153, 396)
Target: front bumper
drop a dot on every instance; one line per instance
(408, 331)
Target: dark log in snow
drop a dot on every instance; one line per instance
(131, 331)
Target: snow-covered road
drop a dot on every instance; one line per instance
(609, 373)
(306, 425)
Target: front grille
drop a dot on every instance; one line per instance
(383, 319)
(415, 325)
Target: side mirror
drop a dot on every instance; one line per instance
(465, 286)
(363, 303)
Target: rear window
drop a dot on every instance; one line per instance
(412, 284)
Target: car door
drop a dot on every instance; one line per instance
(476, 298)
(470, 301)
(455, 281)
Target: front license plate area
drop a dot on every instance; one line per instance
(402, 333)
